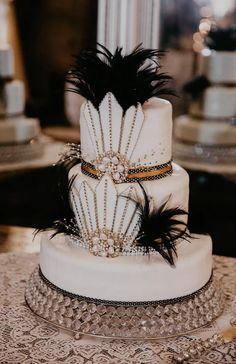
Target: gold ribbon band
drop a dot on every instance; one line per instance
(141, 173)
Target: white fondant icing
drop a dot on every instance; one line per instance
(154, 140)
(215, 102)
(18, 130)
(206, 132)
(172, 189)
(126, 278)
(12, 100)
(6, 61)
(218, 66)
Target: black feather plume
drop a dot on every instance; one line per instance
(222, 39)
(160, 230)
(65, 220)
(131, 78)
(66, 223)
(196, 86)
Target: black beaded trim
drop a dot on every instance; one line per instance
(125, 303)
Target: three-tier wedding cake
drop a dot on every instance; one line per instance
(18, 134)
(208, 132)
(122, 263)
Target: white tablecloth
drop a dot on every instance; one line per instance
(26, 339)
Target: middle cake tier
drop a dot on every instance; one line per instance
(172, 190)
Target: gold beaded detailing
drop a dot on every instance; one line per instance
(111, 130)
(118, 168)
(105, 228)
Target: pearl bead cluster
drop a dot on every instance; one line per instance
(138, 320)
(114, 164)
(105, 243)
(199, 347)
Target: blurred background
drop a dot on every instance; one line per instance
(45, 35)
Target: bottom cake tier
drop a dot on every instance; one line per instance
(183, 298)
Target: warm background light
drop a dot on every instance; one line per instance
(206, 12)
(222, 7)
(204, 26)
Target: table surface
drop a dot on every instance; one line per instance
(26, 339)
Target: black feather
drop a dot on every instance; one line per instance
(64, 222)
(67, 227)
(160, 230)
(222, 39)
(132, 78)
(196, 86)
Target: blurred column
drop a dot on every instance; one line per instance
(127, 23)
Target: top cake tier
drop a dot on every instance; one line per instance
(218, 66)
(124, 124)
(142, 134)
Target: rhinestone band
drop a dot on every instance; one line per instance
(126, 249)
(136, 320)
(141, 173)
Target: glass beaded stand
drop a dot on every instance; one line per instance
(126, 320)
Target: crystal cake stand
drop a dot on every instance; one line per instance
(126, 320)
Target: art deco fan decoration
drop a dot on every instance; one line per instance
(113, 145)
(107, 220)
